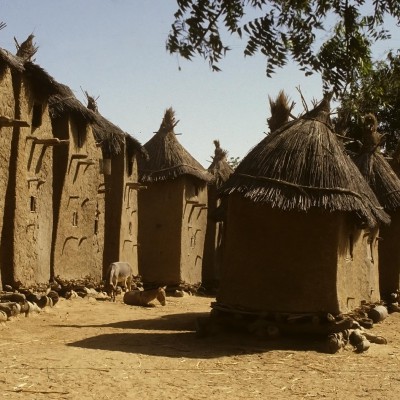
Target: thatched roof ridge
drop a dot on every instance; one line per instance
(113, 138)
(381, 178)
(304, 166)
(219, 168)
(60, 97)
(168, 159)
(11, 60)
(376, 169)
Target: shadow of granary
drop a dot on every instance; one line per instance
(171, 322)
(186, 342)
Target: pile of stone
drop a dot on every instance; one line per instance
(24, 301)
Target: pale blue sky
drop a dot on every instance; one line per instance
(115, 49)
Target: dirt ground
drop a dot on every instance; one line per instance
(89, 349)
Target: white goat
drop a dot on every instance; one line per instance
(119, 272)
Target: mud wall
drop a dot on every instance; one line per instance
(79, 243)
(213, 242)
(389, 256)
(194, 225)
(358, 265)
(129, 215)
(7, 109)
(160, 212)
(33, 222)
(121, 228)
(279, 261)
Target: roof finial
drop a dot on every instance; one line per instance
(91, 102)
(27, 49)
(280, 111)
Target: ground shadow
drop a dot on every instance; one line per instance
(184, 341)
(170, 322)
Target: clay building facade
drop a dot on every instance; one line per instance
(382, 178)
(172, 211)
(79, 206)
(7, 118)
(58, 194)
(27, 227)
(220, 171)
(118, 165)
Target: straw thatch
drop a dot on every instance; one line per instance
(302, 166)
(13, 62)
(280, 111)
(60, 97)
(168, 159)
(111, 137)
(375, 169)
(219, 168)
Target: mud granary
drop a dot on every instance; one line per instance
(386, 186)
(302, 225)
(59, 205)
(173, 211)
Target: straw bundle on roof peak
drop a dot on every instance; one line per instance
(168, 159)
(169, 122)
(371, 138)
(91, 102)
(27, 49)
(303, 166)
(219, 153)
(280, 111)
(219, 168)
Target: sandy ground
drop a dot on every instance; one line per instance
(88, 349)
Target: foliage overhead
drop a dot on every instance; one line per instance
(286, 30)
(377, 92)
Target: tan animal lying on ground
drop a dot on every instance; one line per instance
(144, 297)
(119, 272)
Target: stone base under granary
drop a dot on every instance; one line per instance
(336, 330)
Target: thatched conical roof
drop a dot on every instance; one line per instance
(375, 169)
(303, 166)
(168, 159)
(219, 168)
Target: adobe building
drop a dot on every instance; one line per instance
(302, 225)
(386, 186)
(172, 211)
(8, 64)
(69, 177)
(27, 227)
(78, 240)
(220, 171)
(119, 168)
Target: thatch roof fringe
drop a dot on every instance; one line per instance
(168, 159)
(110, 136)
(62, 101)
(302, 166)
